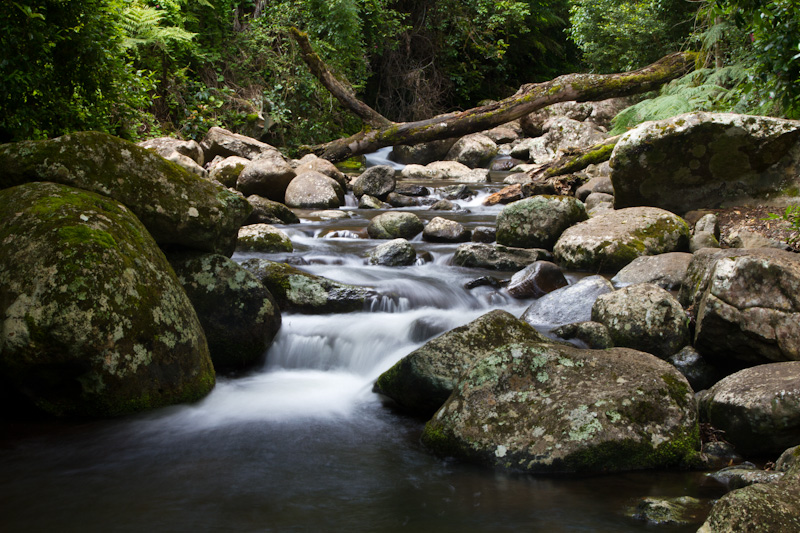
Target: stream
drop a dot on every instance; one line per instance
(302, 443)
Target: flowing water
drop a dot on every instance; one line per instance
(303, 444)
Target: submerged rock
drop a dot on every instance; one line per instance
(176, 206)
(547, 408)
(300, 292)
(238, 314)
(423, 380)
(95, 323)
(683, 510)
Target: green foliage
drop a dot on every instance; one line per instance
(792, 216)
(620, 35)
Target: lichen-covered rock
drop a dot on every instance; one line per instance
(474, 150)
(227, 170)
(443, 230)
(590, 334)
(610, 241)
(643, 317)
(566, 305)
(422, 380)
(747, 304)
(268, 212)
(538, 221)
(300, 292)
(789, 462)
(315, 191)
(536, 280)
(705, 160)
(543, 408)
(453, 170)
(758, 408)
(219, 141)
(239, 316)
(266, 176)
(395, 225)
(497, 257)
(762, 508)
(95, 322)
(176, 206)
(375, 181)
(263, 238)
(397, 252)
(370, 202)
(664, 270)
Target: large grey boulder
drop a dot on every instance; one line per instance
(746, 304)
(300, 292)
(567, 305)
(227, 170)
(311, 162)
(475, 150)
(538, 221)
(665, 270)
(497, 256)
(394, 225)
(313, 190)
(706, 160)
(548, 408)
(238, 314)
(375, 181)
(166, 146)
(758, 408)
(266, 176)
(176, 206)
(610, 241)
(219, 141)
(397, 252)
(422, 380)
(94, 321)
(643, 317)
(443, 230)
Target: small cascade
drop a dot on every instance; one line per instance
(381, 157)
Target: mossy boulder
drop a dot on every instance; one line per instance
(762, 508)
(394, 225)
(610, 241)
(263, 238)
(538, 221)
(706, 160)
(300, 292)
(746, 304)
(497, 257)
(551, 408)
(266, 211)
(95, 322)
(758, 408)
(177, 207)
(375, 181)
(237, 312)
(643, 317)
(422, 380)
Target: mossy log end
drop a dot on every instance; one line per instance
(379, 132)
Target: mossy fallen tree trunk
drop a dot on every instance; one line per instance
(571, 163)
(379, 132)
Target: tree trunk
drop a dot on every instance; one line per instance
(380, 132)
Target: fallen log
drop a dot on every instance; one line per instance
(379, 132)
(575, 162)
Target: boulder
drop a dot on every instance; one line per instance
(496, 256)
(411, 189)
(227, 170)
(268, 212)
(767, 508)
(443, 230)
(484, 234)
(312, 190)
(506, 195)
(643, 317)
(708, 223)
(610, 241)
(745, 238)
(266, 176)
(536, 280)
(296, 291)
(219, 141)
(599, 199)
(706, 160)
(746, 304)
(422, 153)
(538, 122)
(744, 475)
(401, 200)
(395, 224)
(566, 305)
(263, 238)
(475, 150)
(552, 408)
(664, 270)
(166, 146)
(397, 252)
(422, 380)
(95, 323)
(188, 163)
(694, 368)
(455, 192)
(504, 134)
(591, 335)
(420, 172)
(538, 221)
(370, 202)
(375, 181)
(237, 312)
(450, 170)
(599, 184)
(176, 206)
(680, 511)
(758, 408)
(310, 162)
